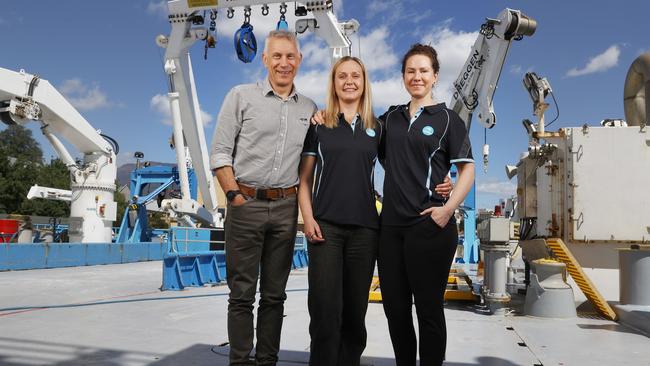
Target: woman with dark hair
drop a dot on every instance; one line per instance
(418, 236)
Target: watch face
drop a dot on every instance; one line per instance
(230, 195)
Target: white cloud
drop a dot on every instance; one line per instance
(452, 48)
(388, 92)
(515, 69)
(313, 83)
(599, 63)
(315, 53)
(160, 104)
(157, 8)
(83, 97)
(376, 53)
(380, 6)
(392, 12)
(503, 189)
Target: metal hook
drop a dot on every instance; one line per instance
(283, 9)
(231, 13)
(213, 18)
(265, 10)
(247, 15)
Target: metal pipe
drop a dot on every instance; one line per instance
(179, 144)
(637, 86)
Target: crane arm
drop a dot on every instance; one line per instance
(475, 86)
(25, 97)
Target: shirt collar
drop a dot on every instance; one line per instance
(357, 117)
(267, 89)
(431, 109)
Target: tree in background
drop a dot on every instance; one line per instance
(17, 142)
(21, 166)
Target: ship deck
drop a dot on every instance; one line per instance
(116, 315)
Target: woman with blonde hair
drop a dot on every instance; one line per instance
(341, 222)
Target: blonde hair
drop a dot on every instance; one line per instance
(281, 34)
(332, 108)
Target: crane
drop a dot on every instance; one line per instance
(475, 86)
(25, 98)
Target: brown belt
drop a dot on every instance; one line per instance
(267, 193)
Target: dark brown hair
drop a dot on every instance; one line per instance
(425, 50)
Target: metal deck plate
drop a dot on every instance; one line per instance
(115, 315)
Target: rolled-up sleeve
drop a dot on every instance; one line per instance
(229, 124)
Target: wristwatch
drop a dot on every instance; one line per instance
(230, 195)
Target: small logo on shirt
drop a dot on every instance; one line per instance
(427, 131)
(370, 132)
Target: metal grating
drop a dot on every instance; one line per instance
(563, 254)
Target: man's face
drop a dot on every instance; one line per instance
(282, 60)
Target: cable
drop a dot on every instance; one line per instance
(557, 109)
(116, 146)
(32, 85)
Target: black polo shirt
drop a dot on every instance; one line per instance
(418, 155)
(346, 155)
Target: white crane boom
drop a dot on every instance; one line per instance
(478, 79)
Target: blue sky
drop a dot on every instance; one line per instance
(103, 57)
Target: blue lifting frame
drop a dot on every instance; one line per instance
(196, 257)
(132, 231)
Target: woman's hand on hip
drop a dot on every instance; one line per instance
(439, 215)
(312, 231)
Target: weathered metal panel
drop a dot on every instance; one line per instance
(608, 178)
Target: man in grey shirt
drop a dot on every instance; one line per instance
(255, 154)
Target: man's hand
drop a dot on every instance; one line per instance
(312, 231)
(439, 215)
(238, 200)
(318, 118)
(444, 189)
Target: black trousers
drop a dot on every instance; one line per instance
(340, 272)
(414, 262)
(260, 239)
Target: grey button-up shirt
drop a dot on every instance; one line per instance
(261, 135)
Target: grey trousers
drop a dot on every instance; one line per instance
(260, 237)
